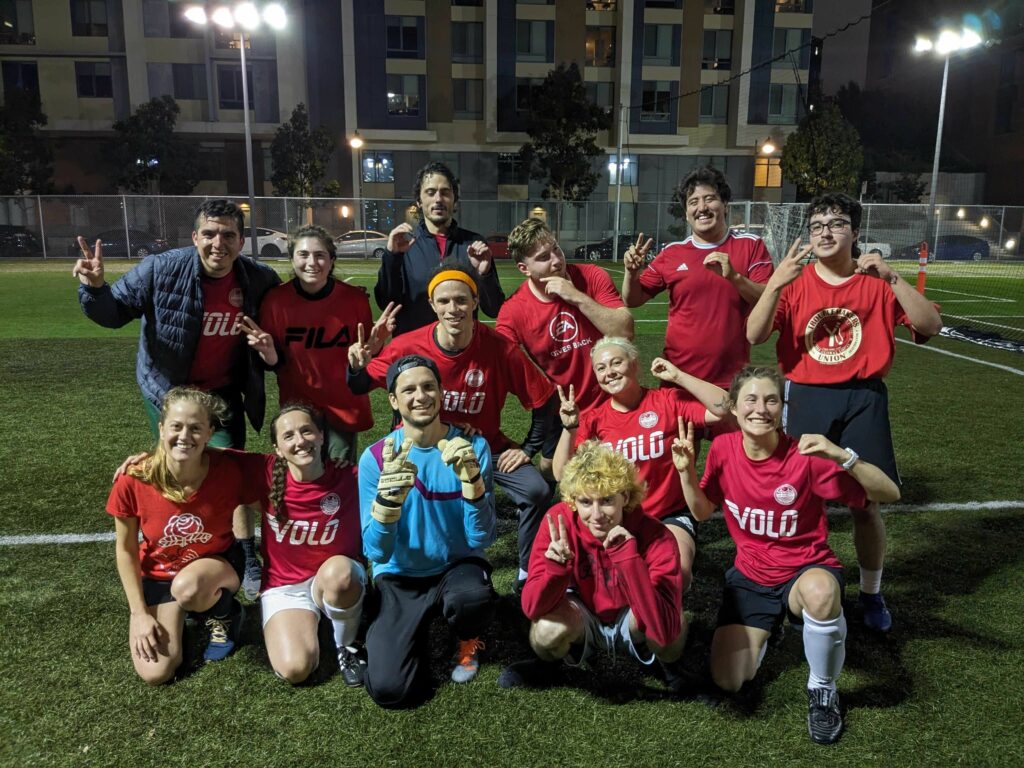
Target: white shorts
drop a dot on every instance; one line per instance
(611, 638)
(298, 596)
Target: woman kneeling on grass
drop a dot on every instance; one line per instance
(181, 499)
(773, 491)
(621, 565)
(312, 547)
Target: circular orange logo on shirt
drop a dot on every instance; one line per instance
(833, 335)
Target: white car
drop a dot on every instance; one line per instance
(883, 248)
(270, 244)
(361, 243)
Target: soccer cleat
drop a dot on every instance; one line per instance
(351, 667)
(251, 579)
(674, 676)
(467, 660)
(224, 633)
(876, 615)
(531, 673)
(824, 721)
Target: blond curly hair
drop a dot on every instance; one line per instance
(597, 469)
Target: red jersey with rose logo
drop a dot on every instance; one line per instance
(175, 534)
(321, 520)
(774, 508)
(476, 380)
(830, 334)
(644, 436)
(220, 339)
(559, 336)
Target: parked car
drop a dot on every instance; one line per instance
(498, 243)
(951, 248)
(867, 246)
(139, 244)
(603, 248)
(18, 241)
(362, 243)
(270, 244)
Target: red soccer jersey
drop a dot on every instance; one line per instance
(476, 380)
(706, 333)
(557, 335)
(775, 507)
(173, 535)
(321, 520)
(220, 340)
(642, 574)
(830, 334)
(313, 336)
(644, 436)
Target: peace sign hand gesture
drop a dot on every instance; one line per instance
(790, 266)
(359, 354)
(635, 259)
(383, 328)
(261, 341)
(683, 452)
(558, 550)
(568, 412)
(89, 268)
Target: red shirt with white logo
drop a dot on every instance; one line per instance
(321, 520)
(173, 534)
(557, 335)
(644, 436)
(476, 380)
(830, 334)
(775, 507)
(442, 243)
(313, 336)
(220, 341)
(706, 334)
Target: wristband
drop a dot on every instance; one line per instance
(893, 278)
(854, 458)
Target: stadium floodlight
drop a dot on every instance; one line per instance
(223, 18)
(948, 42)
(960, 213)
(969, 39)
(275, 17)
(923, 45)
(1010, 244)
(196, 14)
(247, 16)
(984, 222)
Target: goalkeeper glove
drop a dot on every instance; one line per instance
(458, 453)
(397, 477)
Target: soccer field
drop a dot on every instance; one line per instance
(945, 686)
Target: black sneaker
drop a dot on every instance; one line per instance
(876, 614)
(824, 721)
(351, 668)
(673, 675)
(531, 673)
(224, 633)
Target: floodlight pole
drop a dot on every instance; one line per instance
(248, 145)
(618, 183)
(935, 160)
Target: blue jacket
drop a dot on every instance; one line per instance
(437, 527)
(166, 292)
(403, 277)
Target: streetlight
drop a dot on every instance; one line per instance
(356, 142)
(947, 43)
(248, 18)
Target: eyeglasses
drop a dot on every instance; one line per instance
(836, 225)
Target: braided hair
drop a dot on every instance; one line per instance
(279, 473)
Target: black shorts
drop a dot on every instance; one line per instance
(682, 519)
(854, 414)
(157, 591)
(746, 602)
(552, 432)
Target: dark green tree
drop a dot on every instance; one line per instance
(300, 156)
(147, 152)
(907, 188)
(26, 160)
(563, 126)
(823, 154)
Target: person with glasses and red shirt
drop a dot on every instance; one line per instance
(836, 322)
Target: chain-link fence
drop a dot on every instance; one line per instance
(975, 265)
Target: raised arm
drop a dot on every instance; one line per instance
(106, 305)
(762, 316)
(919, 311)
(876, 484)
(610, 321)
(712, 397)
(569, 414)
(719, 263)
(685, 460)
(635, 262)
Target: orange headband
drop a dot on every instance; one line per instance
(450, 274)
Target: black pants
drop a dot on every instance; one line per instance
(397, 652)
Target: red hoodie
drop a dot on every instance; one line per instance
(640, 573)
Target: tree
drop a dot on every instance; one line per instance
(147, 152)
(907, 188)
(563, 126)
(300, 156)
(823, 154)
(26, 160)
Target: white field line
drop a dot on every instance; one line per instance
(946, 506)
(944, 302)
(928, 348)
(1000, 299)
(975, 317)
(985, 322)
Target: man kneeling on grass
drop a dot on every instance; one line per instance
(621, 566)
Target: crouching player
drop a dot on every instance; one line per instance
(603, 575)
(773, 492)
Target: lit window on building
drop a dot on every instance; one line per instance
(767, 172)
(378, 167)
(600, 47)
(403, 94)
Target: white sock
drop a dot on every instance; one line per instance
(825, 650)
(345, 621)
(760, 656)
(870, 581)
(522, 574)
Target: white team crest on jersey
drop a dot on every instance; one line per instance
(182, 530)
(235, 297)
(474, 377)
(330, 504)
(682, 268)
(785, 494)
(563, 327)
(648, 419)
